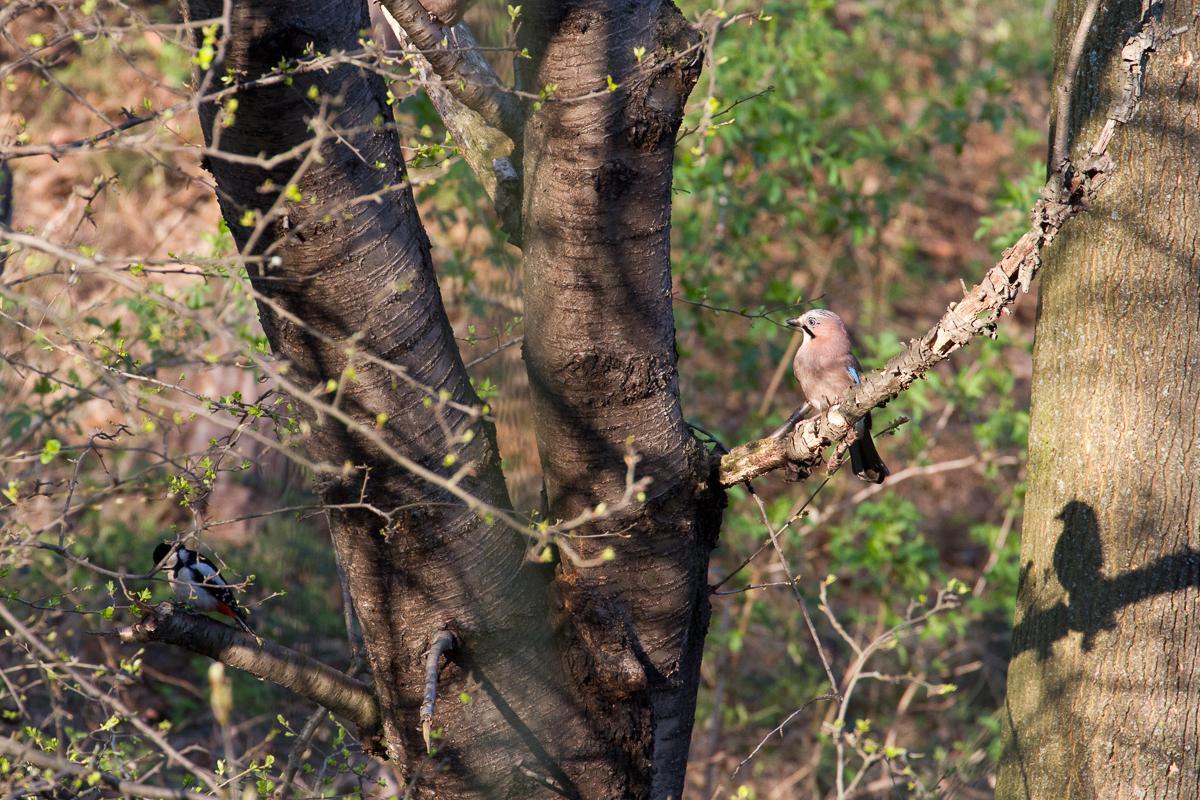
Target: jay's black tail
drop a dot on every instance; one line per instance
(864, 458)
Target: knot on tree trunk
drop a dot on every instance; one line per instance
(655, 108)
(606, 647)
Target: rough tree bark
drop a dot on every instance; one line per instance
(584, 685)
(1102, 689)
(600, 351)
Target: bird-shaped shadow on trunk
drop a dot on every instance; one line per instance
(1092, 599)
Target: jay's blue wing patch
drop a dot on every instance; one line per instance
(854, 375)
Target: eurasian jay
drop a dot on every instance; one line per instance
(826, 369)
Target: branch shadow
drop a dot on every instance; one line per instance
(1092, 599)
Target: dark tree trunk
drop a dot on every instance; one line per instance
(600, 350)
(585, 683)
(1102, 689)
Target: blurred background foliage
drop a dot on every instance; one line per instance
(864, 156)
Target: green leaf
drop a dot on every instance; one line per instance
(50, 449)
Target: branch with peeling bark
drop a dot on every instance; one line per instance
(1068, 191)
(463, 70)
(336, 691)
(486, 147)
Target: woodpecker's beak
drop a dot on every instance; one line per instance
(796, 323)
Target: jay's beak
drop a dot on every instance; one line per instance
(796, 324)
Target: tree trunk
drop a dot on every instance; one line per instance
(600, 351)
(1102, 688)
(584, 688)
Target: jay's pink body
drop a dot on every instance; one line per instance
(826, 368)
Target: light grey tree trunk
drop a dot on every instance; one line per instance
(1104, 682)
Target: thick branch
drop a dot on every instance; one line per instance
(280, 665)
(979, 310)
(24, 754)
(465, 73)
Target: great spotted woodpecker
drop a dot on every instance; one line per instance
(197, 581)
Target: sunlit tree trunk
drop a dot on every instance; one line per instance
(1104, 683)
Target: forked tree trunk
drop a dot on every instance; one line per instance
(1104, 683)
(582, 686)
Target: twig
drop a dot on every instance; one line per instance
(1001, 539)
(297, 754)
(117, 704)
(945, 601)
(762, 509)
(25, 754)
(796, 515)
(444, 642)
(500, 348)
(792, 421)
(752, 587)
(755, 315)
(919, 471)
(1062, 121)
(779, 729)
(787, 570)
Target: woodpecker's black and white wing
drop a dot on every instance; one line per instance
(197, 581)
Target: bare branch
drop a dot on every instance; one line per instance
(280, 665)
(293, 763)
(1064, 90)
(119, 706)
(772, 533)
(979, 310)
(792, 582)
(779, 729)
